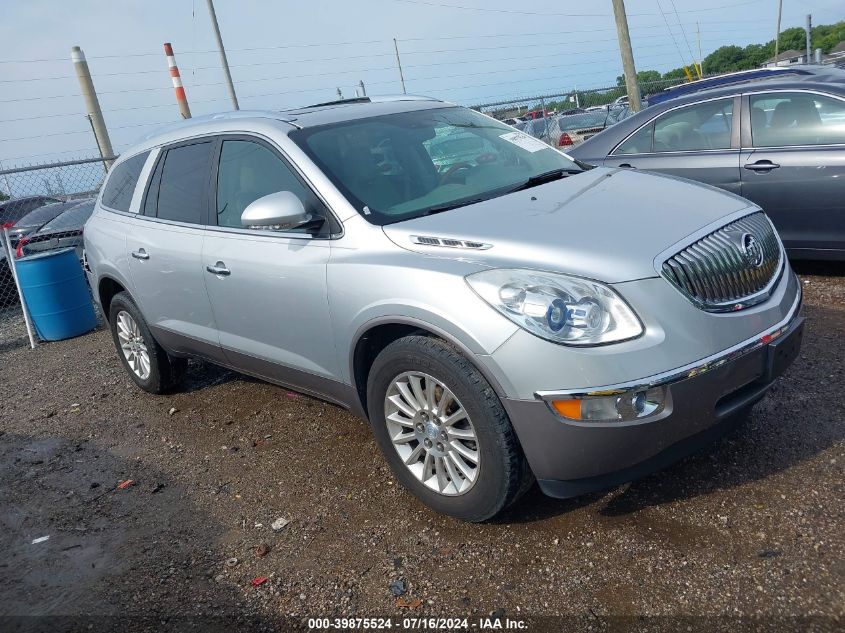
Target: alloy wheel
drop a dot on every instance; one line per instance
(432, 433)
(132, 345)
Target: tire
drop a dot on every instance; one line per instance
(415, 365)
(160, 373)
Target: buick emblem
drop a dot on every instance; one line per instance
(751, 250)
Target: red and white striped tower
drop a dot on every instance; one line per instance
(181, 99)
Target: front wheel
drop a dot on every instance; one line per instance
(443, 430)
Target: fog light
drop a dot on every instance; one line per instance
(617, 407)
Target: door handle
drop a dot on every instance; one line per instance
(627, 166)
(761, 165)
(219, 269)
(140, 254)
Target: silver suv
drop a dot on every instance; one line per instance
(498, 312)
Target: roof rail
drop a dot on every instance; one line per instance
(340, 102)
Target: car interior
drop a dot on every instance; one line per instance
(796, 119)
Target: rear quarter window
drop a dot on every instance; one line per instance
(121, 183)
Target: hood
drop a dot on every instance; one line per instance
(606, 224)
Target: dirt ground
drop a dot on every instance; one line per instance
(747, 533)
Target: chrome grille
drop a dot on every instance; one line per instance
(732, 268)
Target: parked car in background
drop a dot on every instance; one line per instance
(35, 219)
(538, 128)
(567, 131)
(726, 79)
(14, 210)
(778, 141)
(515, 316)
(535, 114)
(63, 231)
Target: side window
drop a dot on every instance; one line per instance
(182, 194)
(121, 183)
(696, 127)
(637, 143)
(249, 171)
(796, 118)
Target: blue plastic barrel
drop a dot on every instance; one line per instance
(53, 285)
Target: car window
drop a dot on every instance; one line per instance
(121, 182)
(249, 171)
(637, 143)
(701, 126)
(184, 183)
(796, 118)
(398, 166)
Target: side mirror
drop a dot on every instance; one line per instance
(278, 211)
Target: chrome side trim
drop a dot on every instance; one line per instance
(688, 371)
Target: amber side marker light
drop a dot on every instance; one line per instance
(568, 408)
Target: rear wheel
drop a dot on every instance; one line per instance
(146, 362)
(444, 431)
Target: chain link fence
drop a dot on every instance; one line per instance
(566, 119)
(43, 208)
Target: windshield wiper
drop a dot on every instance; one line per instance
(546, 176)
(448, 206)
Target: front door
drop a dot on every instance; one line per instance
(794, 167)
(165, 252)
(697, 141)
(268, 287)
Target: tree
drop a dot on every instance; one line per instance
(643, 77)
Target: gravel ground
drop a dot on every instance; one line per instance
(747, 533)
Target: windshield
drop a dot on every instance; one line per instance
(401, 166)
(591, 119)
(71, 220)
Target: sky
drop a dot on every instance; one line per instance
(285, 54)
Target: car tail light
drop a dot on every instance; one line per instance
(564, 140)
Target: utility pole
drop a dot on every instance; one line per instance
(777, 32)
(809, 57)
(223, 59)
(399, 63)
(95, 114)
(176, 78)
(700, 58)
(627, 55)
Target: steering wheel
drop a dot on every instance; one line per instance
(446, 175)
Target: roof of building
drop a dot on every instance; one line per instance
(785, 55)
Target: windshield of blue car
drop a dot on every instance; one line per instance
(401, 166)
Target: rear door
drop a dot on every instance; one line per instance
(793, 166)
(268, 287)
(165, 249)
(699, 141)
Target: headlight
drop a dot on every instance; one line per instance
(556, 307)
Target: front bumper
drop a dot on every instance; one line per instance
(703, 402)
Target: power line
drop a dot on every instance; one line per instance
(352, 43)
(683, 31)
(421, 52)
(668, 28)
(442, 5)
